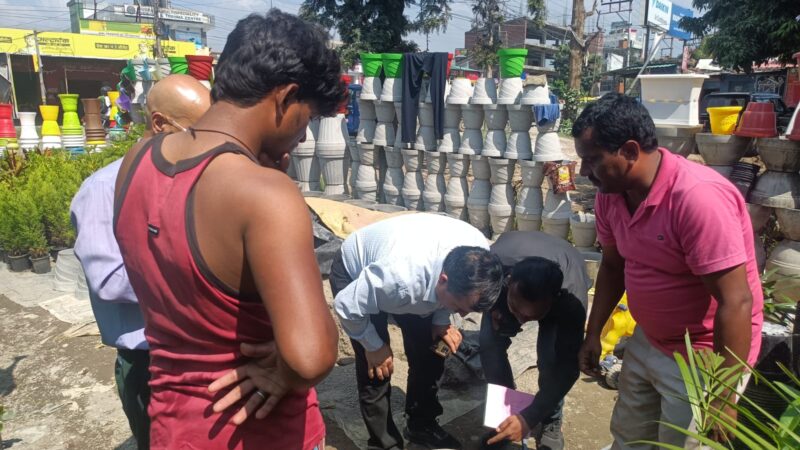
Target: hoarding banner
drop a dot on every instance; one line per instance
(675, 29)
(659, 14)
(167, 14)
(121, 29)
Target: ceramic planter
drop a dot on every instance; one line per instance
(393, 185)
(777, 190)
(535, 95)
(680, 141)
(556, 227)
(789, 223)
(412, 190)
(485, 92)
(519, 146)
(501, 209)
(480, 167)
(494, 143)
(548, 147)
(779, 155)
(457, 165)
(473, 116)
(460, 92)
(384, 134)
(510, 91)
(371, 89)
(392, 90)
(496, 117)
(530, 202)
(584, 232)
(411, 160)
(557, 206)
(501, 170)
(394, 157)
(512, 62)
(434, 192)
(532, 173)
(785, 262)
(455, 198)
(334, 173)
(520, 118)
(758, 121)
(721, 150)
(366, 185)
(426, 139)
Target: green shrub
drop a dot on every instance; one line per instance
(23, 219)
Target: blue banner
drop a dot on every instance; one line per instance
(675, 29)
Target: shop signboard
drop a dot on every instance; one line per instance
(178, 15)
(675, 29)
(659, 14)
(121, 29)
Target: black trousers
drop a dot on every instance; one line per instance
(424, 371)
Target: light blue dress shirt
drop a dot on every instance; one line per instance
(395, 264)
(115, 306)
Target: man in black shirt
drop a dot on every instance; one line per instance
(547, 283)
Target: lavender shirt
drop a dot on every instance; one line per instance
(115, 306)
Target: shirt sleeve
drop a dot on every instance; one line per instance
(557, 378)
(95, 245)
(711, 230)
(375, 289)
(605, 235)
(441, 317)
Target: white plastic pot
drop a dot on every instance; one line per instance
(460, 91)
(371, 88)
(485, 92)
(510, 91)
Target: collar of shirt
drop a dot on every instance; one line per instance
(665, 178)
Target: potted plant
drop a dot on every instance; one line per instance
(38, 250)
(23, 215)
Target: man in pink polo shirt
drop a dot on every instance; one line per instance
(677, 236)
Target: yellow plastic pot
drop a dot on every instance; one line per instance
(49, 117)
(723, 119)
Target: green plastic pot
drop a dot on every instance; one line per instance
(392, 64)
(178, 64)
(69, 102)
(512, 62)
(371, 62)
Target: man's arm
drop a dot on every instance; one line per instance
(374, 286)
(95, 245)
(609, 288)
(287, 277)
(557, 382)
(734, 313)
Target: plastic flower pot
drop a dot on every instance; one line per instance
(91, 105)
(199, 66)
(7, 129)
(392, 64)
(49, 116)
(512, 62)
(371, 63)
(41, 265)
(178, 64)
(724, 118)
(757, 124)
(19, 263)
(5, 111)
(69, 102)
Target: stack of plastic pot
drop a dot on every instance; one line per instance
(457, 192)
(435, 187)
(501, 201)
(412, 181)
(479, 194)
(472, 137)
(51, 132)
(304, 160)
(494, 143)
(72, 137)
(28, 137)
(93, 121)
(557, 207)
(426, 135)
(366, 184)
(384, 134)
(7, 131)
(451, 138)
(779, 186)
(530, 200)
(393, 181)
(201, 67)
(784, 260)
(584, 231)
(331, 149)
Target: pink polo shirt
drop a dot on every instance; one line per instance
(693, 222)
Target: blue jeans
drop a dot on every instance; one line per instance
(497, 369)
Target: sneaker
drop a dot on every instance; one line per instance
(551, 437)
(432, 436)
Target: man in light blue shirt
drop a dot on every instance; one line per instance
(174, 103)
(418, 268)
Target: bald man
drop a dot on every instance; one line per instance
(175, 103)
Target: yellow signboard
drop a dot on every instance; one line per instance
(86, 46)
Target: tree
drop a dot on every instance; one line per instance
(433, 17)
(488, 18)
(578, 45)
(740, 33)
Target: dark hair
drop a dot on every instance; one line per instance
(264, 52)
(474, 269)
(614, 119)
(537, 278)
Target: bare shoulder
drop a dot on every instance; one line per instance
(256, 193)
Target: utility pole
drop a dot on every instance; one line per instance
(157, 28)
(42, 89)
(647, 30)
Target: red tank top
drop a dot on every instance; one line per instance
(194, 324)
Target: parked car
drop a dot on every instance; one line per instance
(783, 112)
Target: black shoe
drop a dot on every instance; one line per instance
(502, 445)
(431, 435)
(551, 437)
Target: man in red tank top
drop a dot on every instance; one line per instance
(217, 243)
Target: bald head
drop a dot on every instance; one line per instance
(176, 101)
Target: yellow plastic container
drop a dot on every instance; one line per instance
(619, 325)
(113, 96)
(723, 119)
(49, 115)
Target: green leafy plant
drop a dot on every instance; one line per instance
(777, 307)
(572, 101)
(24, 222)
(707, 384)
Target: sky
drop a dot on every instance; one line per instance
(53, 15)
